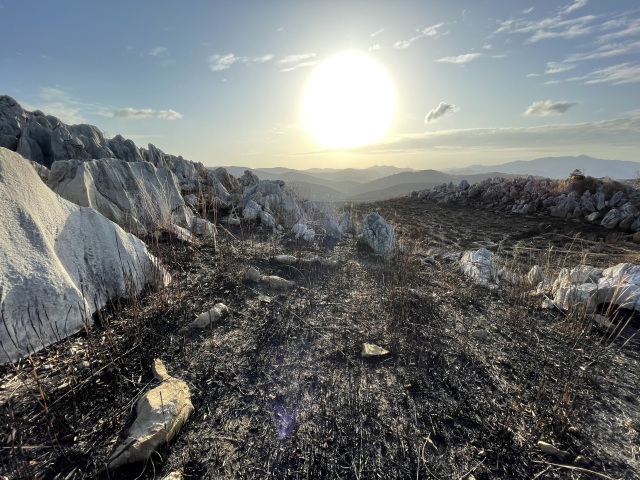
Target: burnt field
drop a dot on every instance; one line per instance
(473, 380)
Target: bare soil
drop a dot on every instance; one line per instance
(474, 378)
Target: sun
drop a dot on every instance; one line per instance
(348, 101)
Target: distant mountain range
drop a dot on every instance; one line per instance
(559, 167)
(382, 182)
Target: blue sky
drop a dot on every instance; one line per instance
(483, 81)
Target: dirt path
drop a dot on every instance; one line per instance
(473, 381)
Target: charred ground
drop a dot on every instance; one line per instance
(474, 380)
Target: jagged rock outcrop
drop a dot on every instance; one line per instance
(136, 195)
(45, 139)
(378, 234)
(589, 287)
(59, 262)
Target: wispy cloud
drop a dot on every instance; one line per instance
(439, 111)
(139, 113)
(158, 51)
(487, 46)
(614, 133)
(296, 61)
(218, 62)
(460, 59)
(553, 26)
(575, 5)
(554, 67)
(544, 108)
(431, 31)
(295, 58)
(377, 32)
(606, 51)
(373, 48)
(627, 27)
(54, 101)
(617, 75)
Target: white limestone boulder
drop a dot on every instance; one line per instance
(589, 286)
(378, 234)
(160, 414)
(137, 196)
(59, 262)
(480, 266)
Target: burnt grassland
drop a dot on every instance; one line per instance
(474, 378)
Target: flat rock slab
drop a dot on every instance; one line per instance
(161, 413)
(371, 350)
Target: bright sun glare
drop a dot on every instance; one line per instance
(348, 101)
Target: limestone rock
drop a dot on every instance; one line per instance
(535, 275)
(277, 283)
(611, 219)
(479, 265)
(160, 414)
(252, 274)
(590, 286)
(136, 196)
(371, 350)
(59, 262)
(378, 234)
(251, 211)
(205, 319)
(286, 259)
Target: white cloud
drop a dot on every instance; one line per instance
(431, 31)
(158, 51)
(373, 48)
(573, 6)
(295, 58)
(58, 103)
(298, 66)
(218, 63)
(487, 46)
(138, 113)
(613, 133)
(460, 59)
(545, 108)
(533, 75)
(630, 27)
(555, 26)
(606, 51)
(222, 62)
(439, 111)
(378, 32)
(616, 75)
(528, 10)
(296, 61)
(281, 29)
(554, 67)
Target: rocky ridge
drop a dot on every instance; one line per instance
(613, 204)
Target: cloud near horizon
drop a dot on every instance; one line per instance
(138, 113)
(615, 132)
(543, 108)
(439, 111)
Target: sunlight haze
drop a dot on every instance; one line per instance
(427, 85)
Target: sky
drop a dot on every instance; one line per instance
(222, 83)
